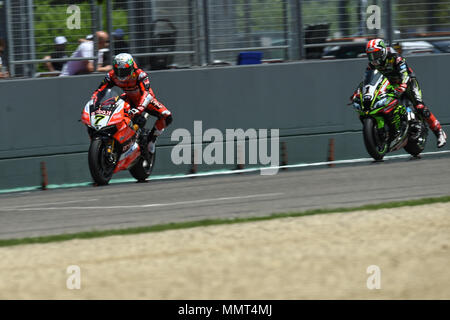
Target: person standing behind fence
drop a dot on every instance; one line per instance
(103, 59)
(120, 45)
(60, 52)
(86, 49)
(3, 63)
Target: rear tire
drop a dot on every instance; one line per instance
(377, 150)
(141, 173)
(414, 147)
(101, 170)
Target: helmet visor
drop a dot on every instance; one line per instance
(375, 57)
(123, 73)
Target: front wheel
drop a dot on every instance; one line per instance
(376, 146)
(100, 165)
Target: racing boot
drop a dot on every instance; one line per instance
(143, 141)
(148, 145)
(441, 138)
(434, 125)
(154, 134)
(142, 138)
(143, 144)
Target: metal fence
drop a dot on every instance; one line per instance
(164, 34)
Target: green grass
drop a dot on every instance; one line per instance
(212, 222)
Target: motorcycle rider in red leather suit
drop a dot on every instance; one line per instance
(138, 93)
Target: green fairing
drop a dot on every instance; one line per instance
(375, 98)
(376, 137)
(374, 113)
(380, 121)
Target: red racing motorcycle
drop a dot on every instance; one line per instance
(116, 140)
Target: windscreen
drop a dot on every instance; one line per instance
(372, 77)
(109, 97)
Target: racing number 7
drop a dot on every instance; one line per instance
(98, 118)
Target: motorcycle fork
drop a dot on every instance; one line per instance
(381, 134)
(111, 152)
(111, 147)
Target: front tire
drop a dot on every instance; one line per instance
(101, 169)
(376, 148)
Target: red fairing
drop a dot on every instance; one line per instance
(118, 117)
(85, 118)
(124, 134)
(125, 163)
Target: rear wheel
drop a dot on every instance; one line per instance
(141, 172)
(417, 138)
(100, 164)
(376, 146)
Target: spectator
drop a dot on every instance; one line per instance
(120, 45)
(86, 49)
(3, 63)
(60, 52)
(103, 62)
(89, 37)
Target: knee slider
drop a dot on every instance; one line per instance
(168, 119)
(423, 110)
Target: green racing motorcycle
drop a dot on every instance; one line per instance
(389, 124)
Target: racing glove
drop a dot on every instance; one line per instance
(95, 102)
(400, 90)
(136, 111)
(354, 100)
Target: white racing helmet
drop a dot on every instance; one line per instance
(123, 66)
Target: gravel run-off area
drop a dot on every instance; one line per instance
(313, 257)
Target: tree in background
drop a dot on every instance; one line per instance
(419, 16)
(50, 17)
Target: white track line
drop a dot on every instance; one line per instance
(229, 172)
(48, 203)
(300, 165)
(145, 205)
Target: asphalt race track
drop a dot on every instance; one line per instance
(142, 204)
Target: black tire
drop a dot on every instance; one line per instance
(101, 171)
(141, 173)
(377, 150)
(414, 147)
